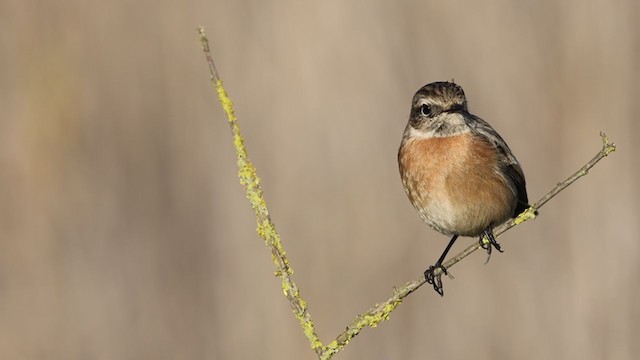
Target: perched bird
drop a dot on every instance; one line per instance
(457, 171)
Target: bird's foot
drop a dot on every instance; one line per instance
(491, 244)
(436, 280)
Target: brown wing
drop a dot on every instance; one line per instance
(508, 163)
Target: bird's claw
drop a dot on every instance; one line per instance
(491, 244)
(436, 280)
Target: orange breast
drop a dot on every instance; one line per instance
(455, 184)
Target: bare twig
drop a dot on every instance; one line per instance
(266, 229)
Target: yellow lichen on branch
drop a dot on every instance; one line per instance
(265, 227)
(267, 231)
(528, 214)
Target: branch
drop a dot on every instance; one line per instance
(267, 231)
(381, 311)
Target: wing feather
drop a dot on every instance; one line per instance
(506, 161)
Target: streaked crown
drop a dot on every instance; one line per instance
(441, 96)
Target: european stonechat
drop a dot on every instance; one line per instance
(457, 171)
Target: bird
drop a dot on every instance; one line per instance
(457, 171)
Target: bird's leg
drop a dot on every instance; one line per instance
(436, 281)
(488, 232)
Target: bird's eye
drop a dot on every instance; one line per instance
(425, 110)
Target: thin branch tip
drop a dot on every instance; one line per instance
(204, 43)
(607, 146)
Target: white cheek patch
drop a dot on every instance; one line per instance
(419, 134)
(448, 124)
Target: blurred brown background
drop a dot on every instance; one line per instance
(125, 233)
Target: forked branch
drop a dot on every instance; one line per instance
(267, 231)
